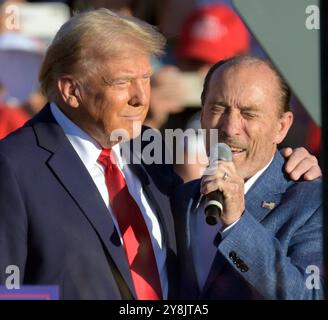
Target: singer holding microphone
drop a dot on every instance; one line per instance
(74, 212)
(246, 230)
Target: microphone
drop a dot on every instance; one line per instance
(214, 200)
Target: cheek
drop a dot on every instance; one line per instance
(113, 106)
(262, 139)
(97, 106)
(147, 90)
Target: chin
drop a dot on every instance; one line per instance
(242, 172)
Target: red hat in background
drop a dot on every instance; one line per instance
(11, 119)
(213, 33)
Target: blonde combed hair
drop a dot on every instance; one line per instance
(84, 42)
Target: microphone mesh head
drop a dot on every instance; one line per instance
(221, 151)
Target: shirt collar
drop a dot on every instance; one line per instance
(248, 184)
(86, 147)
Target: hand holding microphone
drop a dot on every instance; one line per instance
(223, 187)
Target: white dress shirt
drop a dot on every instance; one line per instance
(203, 235)
(89, 150)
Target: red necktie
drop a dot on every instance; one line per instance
(136, 239)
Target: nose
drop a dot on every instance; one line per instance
(230, 123)
(139, 93)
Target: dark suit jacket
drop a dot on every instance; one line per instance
(271, 253)
(54, 224)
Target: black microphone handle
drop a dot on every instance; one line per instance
(214, 200)
(213, 207)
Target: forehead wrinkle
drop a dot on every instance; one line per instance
(126, 72)
(250, 88)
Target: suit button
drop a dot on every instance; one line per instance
(244, 268)
(232, 254)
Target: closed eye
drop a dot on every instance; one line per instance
(121, 82)
(146, 78)
(147, 75)
(115, 82)
(249, 114)
(218, 108)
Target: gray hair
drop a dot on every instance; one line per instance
(85, 41)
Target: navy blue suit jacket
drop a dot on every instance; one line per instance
(271, 253)
(54, 224)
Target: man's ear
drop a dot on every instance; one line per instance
(284, 124)
(69, 91)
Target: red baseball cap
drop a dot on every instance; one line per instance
(213, 33)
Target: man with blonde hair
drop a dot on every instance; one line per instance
(73, 214)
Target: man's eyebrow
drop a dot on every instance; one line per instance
(245, 108)
(149, 73)
(111, 80)
(220, 103)
(249, 108)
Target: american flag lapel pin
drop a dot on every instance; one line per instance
(268, 205)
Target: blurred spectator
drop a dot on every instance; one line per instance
(212, 33)
(23, 39)
(19, 67)
(22, 44)
(2, 92)
(313, 138)
(173, 13)
(195, 158)
(206, 2)
(304, 132)
(123, 7)
(34, 103)
(11, 119)
(167, 96)
(167, 15)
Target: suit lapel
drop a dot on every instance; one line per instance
(266, 193)
(70, 171)
(156, 198)
(160, 203)
(188, 220)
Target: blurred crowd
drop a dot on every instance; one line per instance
(199, 33)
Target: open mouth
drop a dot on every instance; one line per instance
(237, 152)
